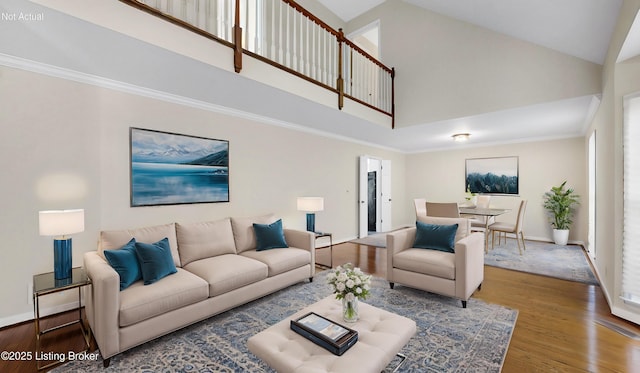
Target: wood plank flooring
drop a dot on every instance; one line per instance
(556, 329)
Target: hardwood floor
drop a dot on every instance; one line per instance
(556, 329)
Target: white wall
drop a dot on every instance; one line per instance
(447, 68)
(66, 145)
(440, 177)
(619, 79)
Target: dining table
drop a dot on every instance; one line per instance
(486, 212)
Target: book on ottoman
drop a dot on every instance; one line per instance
(325, 333)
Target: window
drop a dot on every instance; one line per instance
(631, 227)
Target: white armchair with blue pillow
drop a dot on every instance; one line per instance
(439, 255)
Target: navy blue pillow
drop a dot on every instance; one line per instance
(125, 262)
(269, 236)
(435, 237)
(155, 259)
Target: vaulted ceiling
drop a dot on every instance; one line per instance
(579, 28)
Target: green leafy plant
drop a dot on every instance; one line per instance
(560, 203)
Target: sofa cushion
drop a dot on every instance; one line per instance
(228, 272)
(243, 232)
(429, 262)
(464, 225)
(205, 239)
(269, 236)
(139, 302)
(125, 261)
(435, 237)
(155, 260)
(280, 260)
(110, 240)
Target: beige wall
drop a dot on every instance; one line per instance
(619, 79)
(452, 69)
(66, 145)
(439, 176)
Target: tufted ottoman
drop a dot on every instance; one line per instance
(381, 334)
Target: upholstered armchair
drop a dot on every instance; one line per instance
(455, 274)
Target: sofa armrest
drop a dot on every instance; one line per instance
(469, 258)
(102, 303)
(397, 241)
(303, 240)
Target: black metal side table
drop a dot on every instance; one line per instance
(44, 284)
(326, 234)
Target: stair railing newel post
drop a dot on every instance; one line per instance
(237, 39)
(393, 98)
(340, 81)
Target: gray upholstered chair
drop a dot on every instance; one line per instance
(456, 274)
(515, 228)
(443, 210)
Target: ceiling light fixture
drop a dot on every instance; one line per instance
(461, 137)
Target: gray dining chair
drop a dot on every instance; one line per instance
(443, 210)
(515, 228)
(421, 208)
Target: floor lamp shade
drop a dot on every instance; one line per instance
(311, 205)
(58, 224)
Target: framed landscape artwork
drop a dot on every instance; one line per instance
(170, 168)
(492, 175)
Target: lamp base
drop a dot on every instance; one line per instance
(311, 222)
(62, 258)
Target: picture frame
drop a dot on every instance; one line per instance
(497, 175)
(169, 168)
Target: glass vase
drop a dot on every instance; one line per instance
(350, 310)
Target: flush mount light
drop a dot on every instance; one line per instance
(461, 137)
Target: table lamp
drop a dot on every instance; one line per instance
(59, 223)
(311, 205)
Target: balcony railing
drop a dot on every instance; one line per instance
(285, 35)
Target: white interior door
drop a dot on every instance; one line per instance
(363, 199)
(385, 196)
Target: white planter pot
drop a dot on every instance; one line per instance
(560, 236)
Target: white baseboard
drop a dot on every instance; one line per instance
(27, 316)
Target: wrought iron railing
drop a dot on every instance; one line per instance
(285, 35)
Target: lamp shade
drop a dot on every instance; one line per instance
(310, 204)
(61, 222)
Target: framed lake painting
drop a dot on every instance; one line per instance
(492, 175)
(170, 168)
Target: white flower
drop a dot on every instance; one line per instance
(358, 290)
(350, 283)
(342, 277)
(340, 286)
(350, 297)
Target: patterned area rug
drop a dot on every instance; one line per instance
(449, 337)
(543, 258)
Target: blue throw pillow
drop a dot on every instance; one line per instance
(125, 262)
(155, 259)
(435, 237)
(269, 236)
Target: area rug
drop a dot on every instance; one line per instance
(567, 262)
(449, 338)
(377, 240)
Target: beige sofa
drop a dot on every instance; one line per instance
(218, 269)
(456, 274)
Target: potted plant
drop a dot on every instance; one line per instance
(560, 203)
